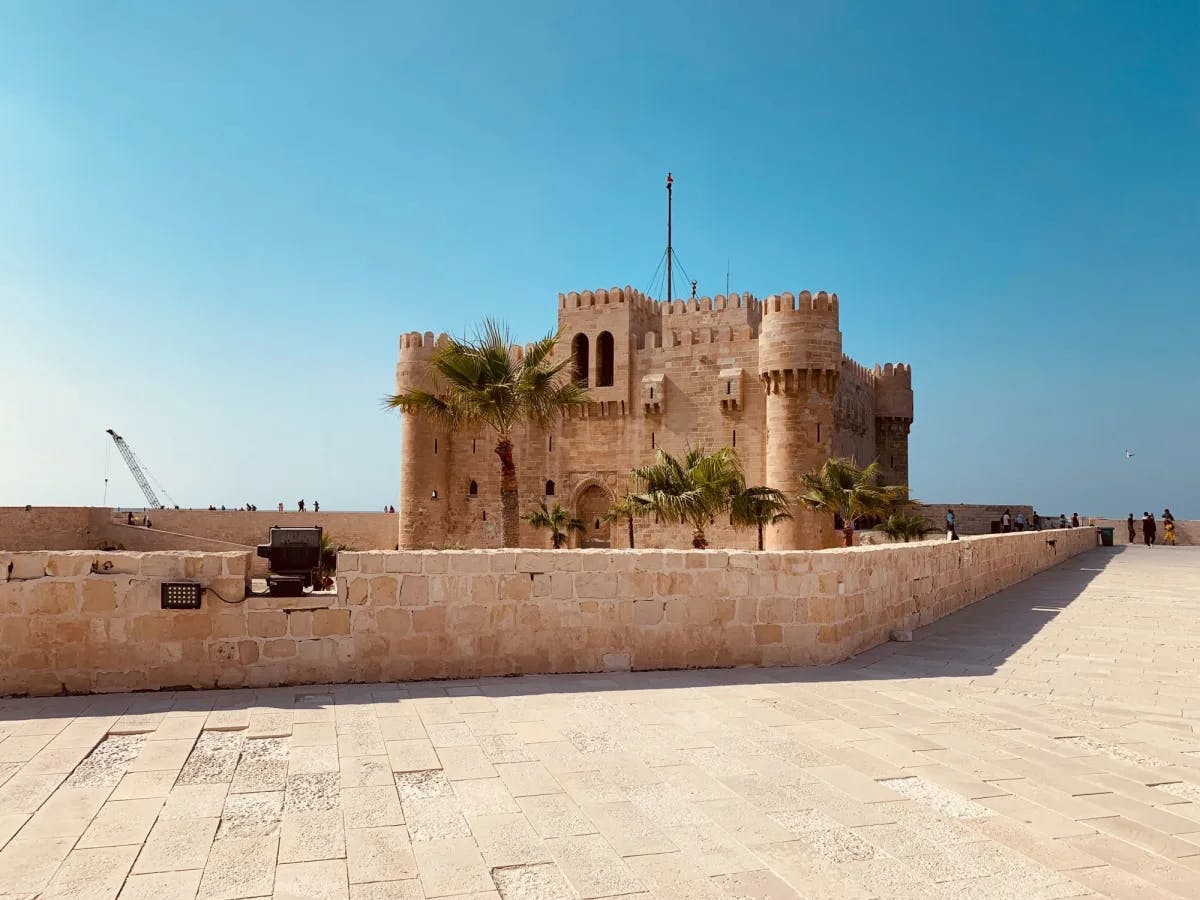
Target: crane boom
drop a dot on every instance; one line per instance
(136, 469)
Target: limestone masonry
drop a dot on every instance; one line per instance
(767, 377)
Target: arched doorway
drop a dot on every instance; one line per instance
(579, 350)
(591, 506)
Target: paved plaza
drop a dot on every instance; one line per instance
(1043, 743)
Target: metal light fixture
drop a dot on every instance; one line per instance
(181, 594)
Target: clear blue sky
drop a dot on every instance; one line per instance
(216, 218)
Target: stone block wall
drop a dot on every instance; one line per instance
(50, 527)
(81, 621)
(87, 621)
(972, 518)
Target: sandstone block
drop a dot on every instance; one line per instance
(99, 596)
(414, 590)
(266, 623)
(515, 587)
(356, 593)
(384, 590)
(280, 648)
(52, 597)
(327, 622)
(402, 562)
(768, 634)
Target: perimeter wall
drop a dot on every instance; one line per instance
(87, 621)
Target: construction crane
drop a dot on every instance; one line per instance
(138, 475)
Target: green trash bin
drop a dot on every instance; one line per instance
(1106, 537)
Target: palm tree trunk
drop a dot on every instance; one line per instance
(699, 541)
(760, 536)
(631, 532)
(510, 521)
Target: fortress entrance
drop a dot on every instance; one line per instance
(593, 503)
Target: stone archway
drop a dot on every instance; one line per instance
(592, 501)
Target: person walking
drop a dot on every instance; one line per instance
(1020, 521)
(1167, 517)
(1169, 533)
(1006, 522)
(1149, 529)
(1129, 523)
(951, 531)
(1074, 520)
(1036, 521)
(316, 506)
(1062, 520)
(300, 505)
(281, 506)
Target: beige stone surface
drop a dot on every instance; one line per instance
(1044, 742)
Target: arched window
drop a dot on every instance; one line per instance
(549, 488)
(604, 348)
(579, 350)
(473, 489)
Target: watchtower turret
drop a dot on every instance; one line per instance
(800, 358)
(599, 329)
(893, 419)
(424, 450)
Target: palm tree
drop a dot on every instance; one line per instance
(841, 488)
(759, 506)
(690, 490)
(624, 509)
(558, 519)
(486, 382)
(904, 526)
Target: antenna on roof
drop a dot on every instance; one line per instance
(670, 181)
(727, 276)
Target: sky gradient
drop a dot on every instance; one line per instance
(216, 219)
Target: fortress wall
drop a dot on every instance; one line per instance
(48, 527)
(84, 528)
(970, 518)
(360, 530)
(734, 311)
(854, 413)
(83, 622)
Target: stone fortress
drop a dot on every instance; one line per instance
(767, 377)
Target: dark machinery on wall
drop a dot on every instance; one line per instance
(293, 555)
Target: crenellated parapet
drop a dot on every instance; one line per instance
(800, 346)
(718, 303)
(614, 296)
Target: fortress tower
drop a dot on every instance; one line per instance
(893, 419)
(766, 377)
(424, 450)
(800, 358)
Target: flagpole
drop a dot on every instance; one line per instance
(670, 266)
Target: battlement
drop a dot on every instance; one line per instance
(603, 297)
(857, 372)
(898, 374)
(415, 340)
(821, 303)
(709, 304)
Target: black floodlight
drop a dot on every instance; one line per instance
(293, 554)
(181, 595)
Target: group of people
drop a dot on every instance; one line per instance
(300, 506)
(1150, 528)
(1009, 524)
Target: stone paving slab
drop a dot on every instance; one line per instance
(1043, 743)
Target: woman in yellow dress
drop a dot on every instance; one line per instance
(1169, 533)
